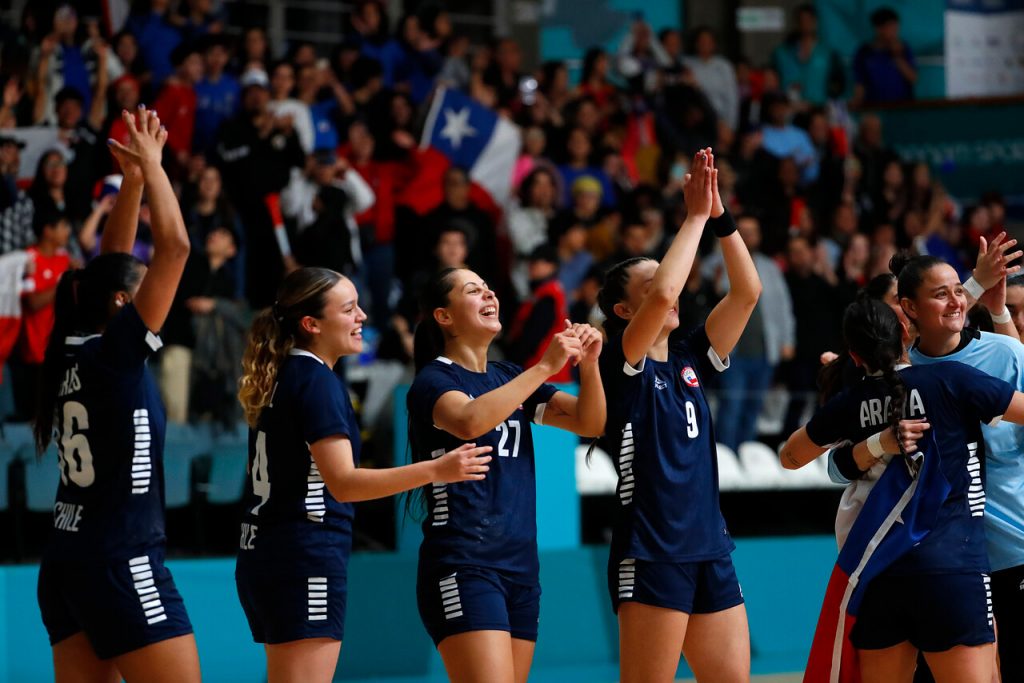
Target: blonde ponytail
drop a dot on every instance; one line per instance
(267, 348)
(274, 333)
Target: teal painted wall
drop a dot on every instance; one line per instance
(783, 582)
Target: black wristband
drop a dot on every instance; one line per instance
(724, 225)
(847, 466)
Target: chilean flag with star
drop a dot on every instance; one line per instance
(475, 138)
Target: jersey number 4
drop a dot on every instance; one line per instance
(504, 428)
(260, 473)
(75, 454)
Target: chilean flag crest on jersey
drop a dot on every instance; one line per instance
(898, 514)
(689, 376)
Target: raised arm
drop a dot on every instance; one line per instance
(123, 222)
(585, 414)
(170, 239)
(468, 418)
(729, 317)
(350, 484)
(990, 275)
(645, 326)
(98, 108)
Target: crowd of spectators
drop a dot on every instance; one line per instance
(285, 156)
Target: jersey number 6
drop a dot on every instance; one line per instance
(75, 454)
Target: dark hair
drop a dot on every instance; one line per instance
(526, 187)
(874, 333)
(841, 372)
(1015, 281)
(46, 215)
(883, 15)
(805, 8)
(910, 270)
(275, 331)
(614, 291)
(695, 35)
(428, 341)
(877, 287)
(81, 305)
(39, 187)
(590, 62)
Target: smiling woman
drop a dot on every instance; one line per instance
(478, 587)
(304, 444)
(933, 299)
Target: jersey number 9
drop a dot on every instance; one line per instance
(75, 454)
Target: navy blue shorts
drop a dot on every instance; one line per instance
(458, 600)
(120, 606)
(933, 612)
(286, 606)
(690, 587)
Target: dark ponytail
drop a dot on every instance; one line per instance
(50, 376)
(82, 304)
(428, 340)
(874, 333)
(428, 344)
(613, 292)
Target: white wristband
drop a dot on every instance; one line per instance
(974, 287)
(875, 445)
(1002, 318)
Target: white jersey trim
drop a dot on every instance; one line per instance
(717, 362)
(538, 414)
(142, 463)
(439, 489)
(145, 587)
(304, 352)
(316, 598)
(634, 371)
(78, 341)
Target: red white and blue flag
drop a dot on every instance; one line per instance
(474, 138)
(898, 514)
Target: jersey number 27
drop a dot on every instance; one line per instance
(504, 428)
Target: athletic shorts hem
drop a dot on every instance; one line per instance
(331, 634)
(679, 607)
(117, 652)
(459, 629)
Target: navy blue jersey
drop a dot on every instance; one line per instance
(291, 521)
(110, 426)
(956, 399)
(490, 523)
(660, 435)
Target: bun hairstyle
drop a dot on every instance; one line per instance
(613, 292)
(910, 271)
(82, 305)
(275, 331)
(874, 333)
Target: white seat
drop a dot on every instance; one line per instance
(730, 475)
(761, 466)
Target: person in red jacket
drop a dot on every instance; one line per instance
(176, 104)
(48, 261)
(377, 223)
(543, 315)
